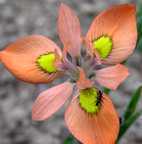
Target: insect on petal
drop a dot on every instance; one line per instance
(101, 128)
(69, 30)
(49, 101)
(118, 23)
(111, 77)
(20, 58)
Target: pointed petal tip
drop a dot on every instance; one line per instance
(111, 77)
(62, 5)
(131, 6)
(69, 29)
(20, 57)
(50, 101)
(114, 22)
(36, 117)
(125, 72)
(127, 6)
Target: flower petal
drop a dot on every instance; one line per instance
(69, 30)
(111, 77)
(83, 82)
(49, 101)
(20, 58)
(119, 23)
(101, 128)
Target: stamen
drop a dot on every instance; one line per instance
(46, 62)
(90, 100)
(103, 45)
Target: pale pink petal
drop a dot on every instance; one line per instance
(102, 128)
(111, 77)
(49, 101)
(69, 30)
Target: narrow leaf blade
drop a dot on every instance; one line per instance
(128, 123)
(131, 108)
(70, 140)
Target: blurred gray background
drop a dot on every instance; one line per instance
(25, 17)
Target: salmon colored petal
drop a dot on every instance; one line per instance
(101, 128)
(20, 58)
(119, 23)
(112, 77)
(83, 82)
(69, 30)
(49, 101)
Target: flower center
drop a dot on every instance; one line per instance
(46, 62)
(103, 45)
(89, 100)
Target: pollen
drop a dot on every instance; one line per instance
(89, 100)
(103, 45)
(46, 62)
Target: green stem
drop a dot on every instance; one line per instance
(71, 140)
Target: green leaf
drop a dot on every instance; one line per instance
(128, 123)
(131, 108)
(139, 28)
(139, 44)
(106, 90)
(139, 24)
(70, 140)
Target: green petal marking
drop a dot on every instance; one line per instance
(89, 100)
(46, 62)
(103, 45)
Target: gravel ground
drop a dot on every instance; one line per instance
(24, 17)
